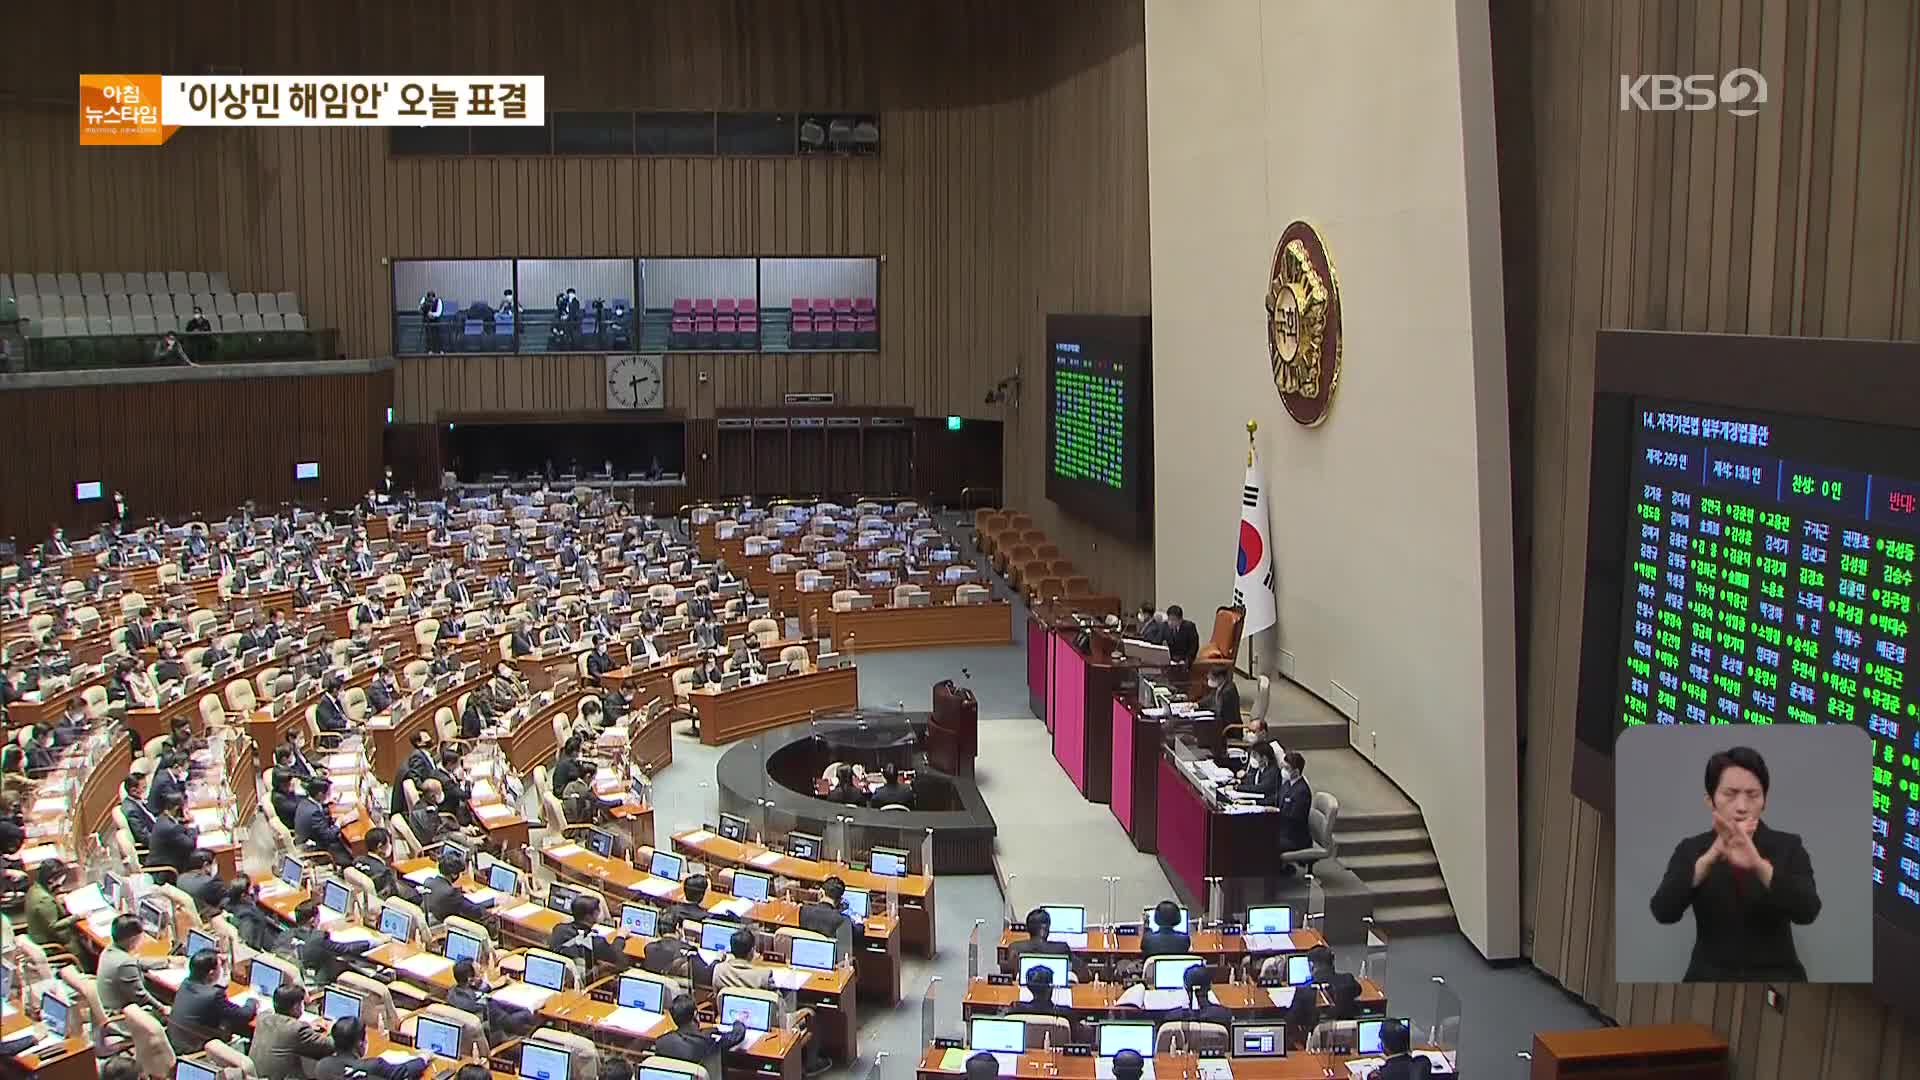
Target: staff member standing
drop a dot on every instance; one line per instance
(1295, 802)
(1183, 640)
(1747, 884)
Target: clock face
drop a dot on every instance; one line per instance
(635, 382)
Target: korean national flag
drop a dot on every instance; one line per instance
(1253, 565)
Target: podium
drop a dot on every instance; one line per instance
(953, 735)
(1072, 672)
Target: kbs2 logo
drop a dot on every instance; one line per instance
(1741, 92)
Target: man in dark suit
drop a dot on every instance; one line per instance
(1165, 938)
(1183, 639)
(201, 1011)
(376, 864)
(314, 825)
(827, 917)
(381, 692)
(171, 842)
(1039, 994)
(599, 661)
(1039, 926)
(1400, 1064)
(139, 632)
(349, 1060)
(1152, 626)
(331, 713)
(689, 1042)
(694, 889)
(202, 883)
(700, 606)
(135, 809)
(1746, 883)
(283, 1042)
(1295, 802)
(559, 633)
(1201, 1006)
(891, 791)
(504, 1020)
(1341, 989)
(707, 635)
(444, 661)
(578, 941)
(457, 594)
(1223, 701)
(522, 642)
(669, 954)
(318, 953)
(442, 899)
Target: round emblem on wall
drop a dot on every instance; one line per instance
(1303, 324)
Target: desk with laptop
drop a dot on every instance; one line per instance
(1266, 930)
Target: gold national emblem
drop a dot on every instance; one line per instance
(1303, 324)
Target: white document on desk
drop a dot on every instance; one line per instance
(766, 858)
(352, 935)
(425, 965)
(399, 1057)
(525, 995)
(563, 851)
(753, 1039)
(85, 900)
(522, 911)
(423, 875)
(1061, 995)
(734, 906)
(659, 888)
(1268, 942)
(1158, 1000)
(1282, 996)
(697, 836)
(1078, 941)
(632, 1021)
(493, 811)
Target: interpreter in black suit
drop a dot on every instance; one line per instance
(1746, 883)
(1396, 1042)
(1183, 639)
(1295, 802)
(1165, 937)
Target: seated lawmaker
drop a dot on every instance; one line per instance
(1400, 1064)
(1039, 992)
(1341, 989)
(320, 956)
(314, 826)
(1165, 937)
(580, 941)
(349, 1060)
(1201, 1006)
(1039, 928)
(504, 1020)
(671, 955)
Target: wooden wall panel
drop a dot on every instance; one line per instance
(1012, 182)
(1802, 220)
(187, 447)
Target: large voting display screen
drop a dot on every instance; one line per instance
(1751, 558)
(1100, 420)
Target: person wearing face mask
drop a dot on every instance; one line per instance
(1295, 799)
(1263, 775)
(1223, 700)
(1746, 883)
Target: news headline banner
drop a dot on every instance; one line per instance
(146, 110)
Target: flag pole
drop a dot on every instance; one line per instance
(1252, 426)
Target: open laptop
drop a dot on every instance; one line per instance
(637, 993)
(1259, 1040)
(1367, 1033)
(437, 1036)
(337, 1004)
(754, 1013)
(748, 885)
(639, 919)
(814, 954)
(544, 1061)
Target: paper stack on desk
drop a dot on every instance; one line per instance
(698, 836)
(790, 978)
(563, 851)
(766, 858)
(632, 1021)
(425, 965)
(659, 888)
(1282, 996)
(734, 906)
(525, 995)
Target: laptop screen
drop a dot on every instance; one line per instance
(1055, 964)
(291, 871)
(733, 827)
(396, 923)
(437, 1036)
(754, 1012)
(1271, 919)
(1171, 976)
(803, 845)
(264, 978)
(53, 1013)
(193, 1070)
(1067, 919)
(666, 865)
(541, 1061)
(503, 878)
(1367, 1038)
(198, 941)
(156, 917)
(560, 898)
(338, 1005)
(334, 896)
(462, 946)
(600, 842)
(857, 905)
(812, 953)
(997, 1036)
(750, 886)
(717, 936)
(1299, 970)
(1115, 1037)
(1259, 1040)
(639, 919)
(650, 1072)
(545, 971)
(638, 993)
(890, 862)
